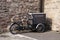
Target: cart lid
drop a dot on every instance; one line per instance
(35, 13)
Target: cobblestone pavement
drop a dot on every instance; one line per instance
(31, 36)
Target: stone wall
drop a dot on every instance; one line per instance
(3, 12)
(4, 16)
(52, 9)
(9, 8)
(23, 6)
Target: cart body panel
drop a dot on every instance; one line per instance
(38, 18)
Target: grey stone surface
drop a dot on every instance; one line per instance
(31, 36)
(9, 36)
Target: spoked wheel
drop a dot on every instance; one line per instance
(40, 27)
(14, 28)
